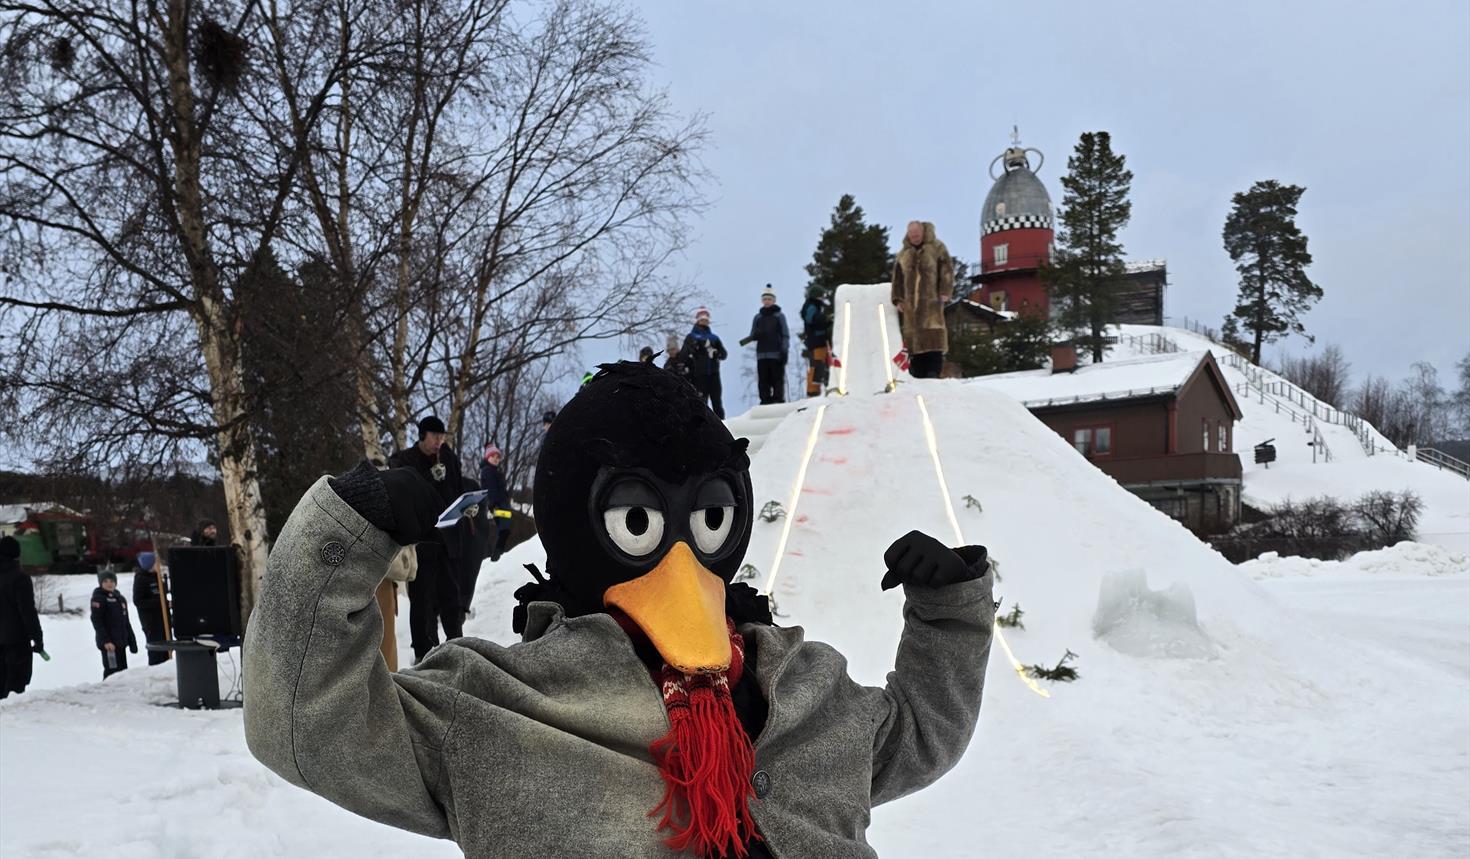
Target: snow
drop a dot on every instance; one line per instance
(1112, 380)
(1313, 714)
(1405, 559)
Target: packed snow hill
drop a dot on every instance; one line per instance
(1218, 710)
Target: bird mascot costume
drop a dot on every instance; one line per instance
(652, 708)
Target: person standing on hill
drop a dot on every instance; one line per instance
(498, 501)
(110, 622)
(772, 339)
(702, 353)
(148, 600)
(816, 338)
(923, 281)
(20, 627)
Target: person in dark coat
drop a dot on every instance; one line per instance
(497, 503)
(772, 339)
(148, 600)
(20, 627)
(110, 621)
(207, 534)
(702, 353)
(433, 595)
(816, 338)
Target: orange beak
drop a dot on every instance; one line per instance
(680, 606)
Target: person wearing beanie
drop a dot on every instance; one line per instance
(624, 722)
(772, 339)
(645, 355)
(148, 599)
(433, 593)
(702, 353)
(20, 626)
(206, 533)
(497, 503)
(114, 631)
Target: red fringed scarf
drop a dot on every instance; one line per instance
(706, 759)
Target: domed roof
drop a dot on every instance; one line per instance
(1017, 200)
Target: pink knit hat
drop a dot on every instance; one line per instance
(701, 313)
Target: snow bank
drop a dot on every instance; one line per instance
(1140, 622)
(1404, 559)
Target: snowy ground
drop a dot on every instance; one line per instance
(1275, 709)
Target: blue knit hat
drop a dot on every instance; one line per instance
(145, 561)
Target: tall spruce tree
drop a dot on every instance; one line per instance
(1085, 267)
(850, 251)
(1270, 253)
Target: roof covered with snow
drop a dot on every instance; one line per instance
(1153, 375)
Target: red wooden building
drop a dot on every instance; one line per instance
(1162, 426)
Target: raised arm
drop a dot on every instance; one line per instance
(321, 708)
(932, 700)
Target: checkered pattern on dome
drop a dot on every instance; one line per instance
(1017, 222)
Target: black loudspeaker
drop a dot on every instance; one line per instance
(206, 590)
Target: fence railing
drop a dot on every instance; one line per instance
(1442, 460)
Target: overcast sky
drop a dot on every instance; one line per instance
(904, 106)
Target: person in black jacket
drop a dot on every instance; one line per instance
(497, 503)
(207, 534)
(772, 339)
(816, 337)
(702, 353)
(148, 600)
(433, 595)
(110, 621)
(20, 627)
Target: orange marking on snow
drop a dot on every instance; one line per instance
(802, 520)
(842, 431)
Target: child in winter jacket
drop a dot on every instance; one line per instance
(110, 622)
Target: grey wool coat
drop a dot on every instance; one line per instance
(540, 749)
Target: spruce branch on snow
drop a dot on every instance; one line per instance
(1012, 618)
(772, 511)
(1061, 672)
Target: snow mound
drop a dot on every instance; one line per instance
(1403, 559)
(1140, 622)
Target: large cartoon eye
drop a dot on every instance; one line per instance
(710, 527)
(635, 530)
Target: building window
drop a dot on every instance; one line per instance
(1205, 438)
(1000, 209)
(998, 300)
(1222, 437)
(1002, 253)
(1093, 441)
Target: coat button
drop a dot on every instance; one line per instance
(762, 783)
(334, 553)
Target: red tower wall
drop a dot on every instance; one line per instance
(1017, 275)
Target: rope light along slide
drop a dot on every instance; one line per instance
(960, 541)
(793, 498)
(886, 357)
(846, 354)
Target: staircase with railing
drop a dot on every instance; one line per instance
(1441, 460)
(1283, 396)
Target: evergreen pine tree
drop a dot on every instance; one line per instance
(849, 250)
(1084, 269)
(1270, 253)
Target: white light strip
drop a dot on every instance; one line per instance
(846, 356)
(960, 541)
(886, 357)
(806, 458)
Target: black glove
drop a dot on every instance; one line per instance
(918, 559)
(38, 647)
(415, 503)
(133, 647)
